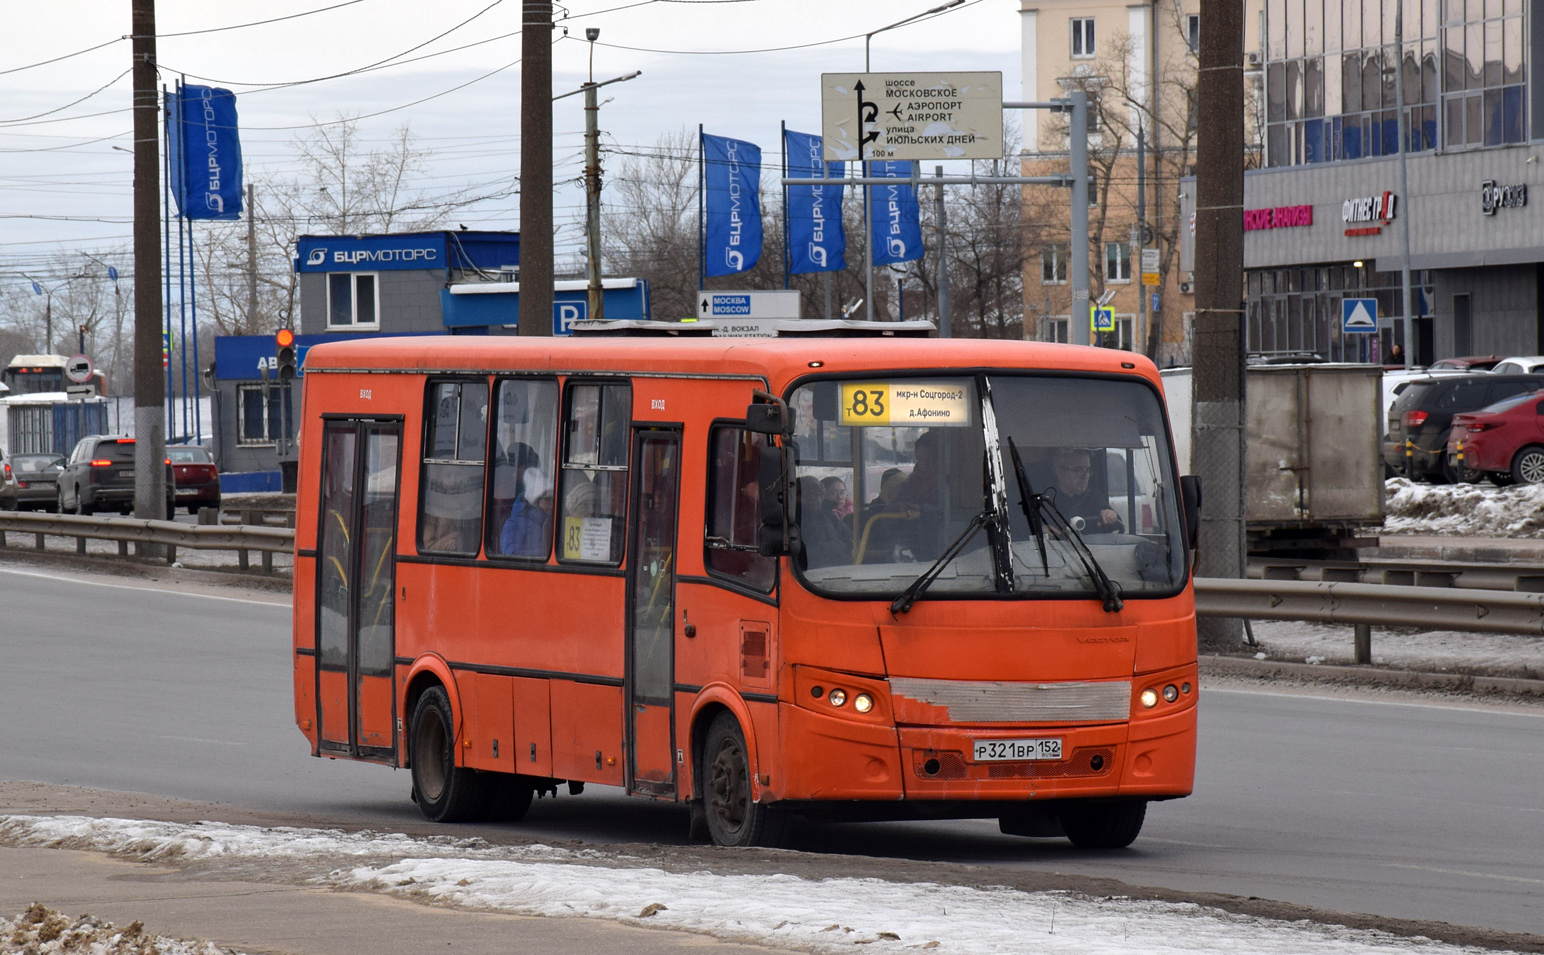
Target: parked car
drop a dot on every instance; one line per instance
(1466, 363)
(198, 481)
(1423, 413)
(1504, 442)
(100, 476)
(1526, 365)
(30, 481)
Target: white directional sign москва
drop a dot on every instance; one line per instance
(883, 116)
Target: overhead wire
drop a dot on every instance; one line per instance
(66, 56)
(258, 23)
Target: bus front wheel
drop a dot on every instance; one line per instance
(734, 818)
(1103, 824)
(445, 791)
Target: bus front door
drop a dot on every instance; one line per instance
(356, 573)
(651, 614)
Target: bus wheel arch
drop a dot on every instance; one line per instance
(729, 804)
(427, 672)
(712, 701)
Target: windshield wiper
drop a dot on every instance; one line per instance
(909, 596)
(1041, 509)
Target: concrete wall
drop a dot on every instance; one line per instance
(409, 301)
(1504, 309)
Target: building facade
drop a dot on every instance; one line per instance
(1328, 218)
(1137, 63)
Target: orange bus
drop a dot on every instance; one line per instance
(849, 577)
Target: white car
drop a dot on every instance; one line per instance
(1524, 365)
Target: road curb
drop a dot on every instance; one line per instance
(1366, 675)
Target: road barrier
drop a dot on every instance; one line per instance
(242, 539)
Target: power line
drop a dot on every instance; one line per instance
(30, 66)
(258, 23)
(25, 119)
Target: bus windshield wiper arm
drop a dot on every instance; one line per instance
(909, 596)
(1031, 503)
(1107, 590)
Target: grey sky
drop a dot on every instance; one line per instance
(49, 169)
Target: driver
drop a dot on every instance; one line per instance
(1073, 467)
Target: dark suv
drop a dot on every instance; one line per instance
(99, 476)
(1424, 411)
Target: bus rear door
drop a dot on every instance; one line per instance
(356, 573)
(651, 613)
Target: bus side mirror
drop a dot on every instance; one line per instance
(778, 536)
(768, 415)
(1190, 500)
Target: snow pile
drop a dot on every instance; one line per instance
(825, 916)
(1470, 510)
(42, 931)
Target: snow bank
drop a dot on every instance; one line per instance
(1469, 510)
(43, 931)
(825, 916)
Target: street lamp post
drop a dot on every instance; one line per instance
(868, 213)
(48, 306)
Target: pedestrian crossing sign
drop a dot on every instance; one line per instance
(1359, 315)
(1101, 319)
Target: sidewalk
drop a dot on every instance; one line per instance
(254, 917)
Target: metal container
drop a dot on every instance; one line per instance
(1312, 452)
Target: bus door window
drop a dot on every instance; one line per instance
(651, 630)
(593, 494)
(734, 511)
(455, 444)
(524, 469)
(336, 533)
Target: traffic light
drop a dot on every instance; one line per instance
(285, 342)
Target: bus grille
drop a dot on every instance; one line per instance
(943, 765)
(971, 701)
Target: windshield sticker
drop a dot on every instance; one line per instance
(931, 404)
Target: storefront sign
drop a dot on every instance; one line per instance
(1375, 208)
(1281, 217)
(1493, 197)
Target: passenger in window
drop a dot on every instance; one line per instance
(525, 533)
(924, 486)
(834, 492)
(826, 539)
(889, 484)
(1075, 497)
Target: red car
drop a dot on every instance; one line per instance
(1504, 442)
(198, 481)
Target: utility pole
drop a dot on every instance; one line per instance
(251, 262)
(149, 393)
(1219, 413)
(536, 168)
(1078, 244)
(945, 329)
(1404, 182)
(597, 301)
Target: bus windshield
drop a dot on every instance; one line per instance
(893, 471)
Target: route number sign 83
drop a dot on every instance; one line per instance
(934, 403)
(865, 403)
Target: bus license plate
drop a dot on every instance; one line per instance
(1015, 750)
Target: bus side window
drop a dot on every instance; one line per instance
(593, 495)
(525, 448)
(734, 513)
(450, 499)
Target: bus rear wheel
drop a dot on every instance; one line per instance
(734, 818)
(1103, 824)
(445, 792)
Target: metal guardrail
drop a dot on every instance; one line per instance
(1317, 601)
(267, 541)
(1405, 572)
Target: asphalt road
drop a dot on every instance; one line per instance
(1394, 807)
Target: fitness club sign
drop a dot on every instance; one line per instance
(1368, 209)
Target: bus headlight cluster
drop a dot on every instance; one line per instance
(1169, 693)
(862, 702)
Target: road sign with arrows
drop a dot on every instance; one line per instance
(912, 115)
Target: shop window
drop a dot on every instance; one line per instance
(261, 420)
(594, 473)
(455, 445)
(352, 301)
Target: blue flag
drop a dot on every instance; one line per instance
(732, 233)
(897, 227)
(205, 152)
(816, 241)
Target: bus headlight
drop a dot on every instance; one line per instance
(838, 697)
(1149, 698)
(863, 702)
(1170, 693)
